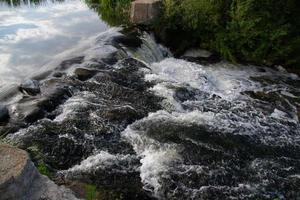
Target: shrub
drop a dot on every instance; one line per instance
(258, 31)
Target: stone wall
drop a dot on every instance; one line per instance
(145, 11)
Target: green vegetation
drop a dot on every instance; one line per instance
(91, 192)
(114, 12)
(38, 159)
(256, 31)
(43, 169)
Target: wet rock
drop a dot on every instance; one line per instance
(58, 74)
(127, 41)
(183, 94)
(32, 108)
(84, 74)
(19, 179)
(68, 63)
(30, 87)
(29, 109)
(123, 113)
(4, 113)
(200, 56)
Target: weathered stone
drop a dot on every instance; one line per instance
(145, 11)
(19, 179)
(4, 114)
(31, 87)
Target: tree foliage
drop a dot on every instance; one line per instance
(258, 31)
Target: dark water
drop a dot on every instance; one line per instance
(117, 111)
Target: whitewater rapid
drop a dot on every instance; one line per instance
(152, 126)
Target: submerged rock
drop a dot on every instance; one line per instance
(84, 74)
(30, 87)
(4, 114)
(19, 179)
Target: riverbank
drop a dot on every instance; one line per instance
(254, 32)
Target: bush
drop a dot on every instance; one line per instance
(257, 31)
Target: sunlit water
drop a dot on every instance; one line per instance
(32, 35)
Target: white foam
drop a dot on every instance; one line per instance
(101, 161)
(223, 79)
(156, 159)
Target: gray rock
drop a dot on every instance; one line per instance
(19, 179)
(145, 11)
(31, 87)
(4, 113)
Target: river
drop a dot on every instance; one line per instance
(117, 111)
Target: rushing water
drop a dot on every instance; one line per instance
(119, 112)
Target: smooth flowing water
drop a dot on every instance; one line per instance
(32, 34)
(117, 111)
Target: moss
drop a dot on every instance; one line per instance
(91, 192)
(43, 169)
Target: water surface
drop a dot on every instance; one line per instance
(33, 34)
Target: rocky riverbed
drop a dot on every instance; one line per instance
(117, 116)
(125, 116)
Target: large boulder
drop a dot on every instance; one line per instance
(19, 179)
(145, 11)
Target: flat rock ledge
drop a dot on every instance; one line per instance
(20, 180)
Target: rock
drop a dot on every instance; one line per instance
(58, 74)
(32, 108)
(123, 113)
(4, 113)
(19, 179)
(145, 11)
(200, 56)
(29, 109)
(66, 64)
(31, 87)
(84, 74)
